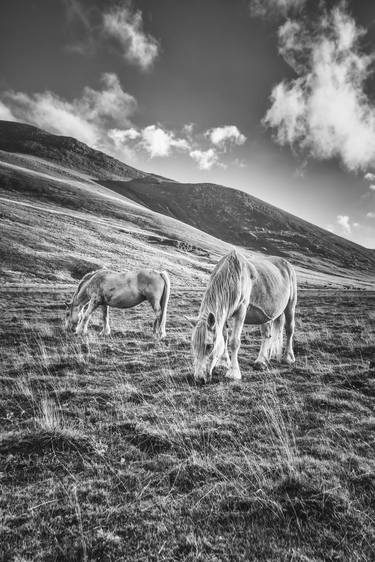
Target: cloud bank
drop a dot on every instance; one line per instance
(104, 119)
(325, 110)
(85, 118)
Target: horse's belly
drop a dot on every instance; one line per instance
(255, 315)
(124, 299)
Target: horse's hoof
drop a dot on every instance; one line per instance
(233, 375)
(289, 360)
(260, 366)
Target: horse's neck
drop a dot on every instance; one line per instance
(80, 297)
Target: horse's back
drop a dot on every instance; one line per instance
(128, 288)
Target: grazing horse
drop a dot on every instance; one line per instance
(239, 292)
(107, 288)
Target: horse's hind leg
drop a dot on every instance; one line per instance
(289, 328)
(106, 327)
(264, 352)
(82, 326)
(235, 342)
(158, 332)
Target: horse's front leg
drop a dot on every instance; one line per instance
(235, 342)
(106, 327)
(82, 326)
(224, 360)
(261, 361)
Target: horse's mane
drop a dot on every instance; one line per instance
(223, 291)
(85, 278)
(221, 297)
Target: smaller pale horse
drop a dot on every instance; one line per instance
(239, 292)
(105, 288)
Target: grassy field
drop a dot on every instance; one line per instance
(109, 451)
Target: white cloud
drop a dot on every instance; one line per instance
(5, 113)
(262, 8)
(221, 136)
(205, 158)
(370, 177)
(126, 27)
(122, 137)
(325, 110)
(188, 129)
(48, 111)
(85, 118)
(344, 222)
(159, 142)
(111, 105)
(370, 215)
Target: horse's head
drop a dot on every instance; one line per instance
(208, 346)
(72, 316)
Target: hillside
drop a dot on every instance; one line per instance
(66, 151)
(244, 220)
(227, 214)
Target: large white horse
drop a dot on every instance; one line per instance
(242, 292)
(107, 288)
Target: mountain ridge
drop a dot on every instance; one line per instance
(229, 214)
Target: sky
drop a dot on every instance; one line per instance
(274, 97)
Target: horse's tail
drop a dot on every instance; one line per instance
(293, 286)
(276, 347)
(164, 301)
(78, 294)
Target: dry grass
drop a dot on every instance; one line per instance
(110, 452)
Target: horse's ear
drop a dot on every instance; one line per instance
(211, 320)
(192, 320)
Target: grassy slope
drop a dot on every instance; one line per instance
(110, 452)
(240, 218)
